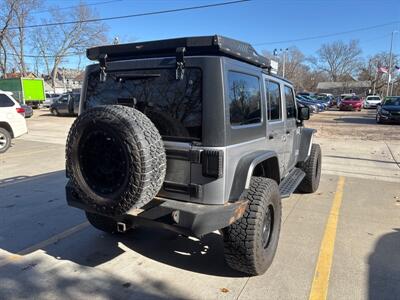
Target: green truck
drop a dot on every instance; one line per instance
(26, 90)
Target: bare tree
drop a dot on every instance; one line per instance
(338, 60)
(370, 70)
(17, 40)
(296, 68)
(56, 43)
(6, 16)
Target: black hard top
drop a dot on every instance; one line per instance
(194, 46)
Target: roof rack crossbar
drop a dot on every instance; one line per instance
(194, 46)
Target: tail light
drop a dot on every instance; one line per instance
(20, 110)
(212, 163)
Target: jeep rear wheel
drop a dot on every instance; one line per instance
(312, 168)
(250, 243)
(115, 159)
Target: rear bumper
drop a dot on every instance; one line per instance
(390, 119)
(349, 107)
(192, 219)
(370, 105)
(19, 127)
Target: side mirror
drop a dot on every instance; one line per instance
(303, 113)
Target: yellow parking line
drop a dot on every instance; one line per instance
(44, 244)
(319, 289)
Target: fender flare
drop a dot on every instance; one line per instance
(244, 171)
(306, 140)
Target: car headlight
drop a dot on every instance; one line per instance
(384, 112)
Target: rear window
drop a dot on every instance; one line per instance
(5, 101)
(392, 101)
(174, 106)
(352, 98)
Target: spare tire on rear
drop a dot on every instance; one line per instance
(115, 159)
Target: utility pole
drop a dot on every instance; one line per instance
(376, 77)
(283, 51)
(390, 63)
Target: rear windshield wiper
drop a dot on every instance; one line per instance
(123, 77)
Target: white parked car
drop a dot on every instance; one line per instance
(12, 120)
(372, 101)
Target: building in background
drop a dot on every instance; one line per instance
(66, 80)
(361, 88)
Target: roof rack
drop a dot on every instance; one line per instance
(190, 46)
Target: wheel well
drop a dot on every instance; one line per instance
(268, 168)
(7, 127)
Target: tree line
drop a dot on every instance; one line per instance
(47, 47)
(338, 62)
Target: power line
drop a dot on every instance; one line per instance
(69, 7)
(327, 35)
(134, 15)
(71, 54)
(47, 56)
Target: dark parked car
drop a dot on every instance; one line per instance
(389, 110)
(326, 99)
(312, 106)
(67, 104)
(321, 106)
(28, 110)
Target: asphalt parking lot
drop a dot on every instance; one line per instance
(349, 229)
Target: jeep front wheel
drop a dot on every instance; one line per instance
(312, 168)
(250, 243)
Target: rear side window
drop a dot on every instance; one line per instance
(244, 99)
(273, 100)
(290, 106)
(5, 101)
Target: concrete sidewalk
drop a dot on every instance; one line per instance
(375, 160)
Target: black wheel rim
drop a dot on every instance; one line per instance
(103, 161)
(268, 226)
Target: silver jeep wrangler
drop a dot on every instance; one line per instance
(192, 135)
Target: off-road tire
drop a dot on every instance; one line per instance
(131, 169)
(5, 140)
(312, 168)
(103, 223)
(243, 240)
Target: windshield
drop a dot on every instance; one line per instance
(174, 106)
(373, 98)
(392, 101)
(353, 98)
